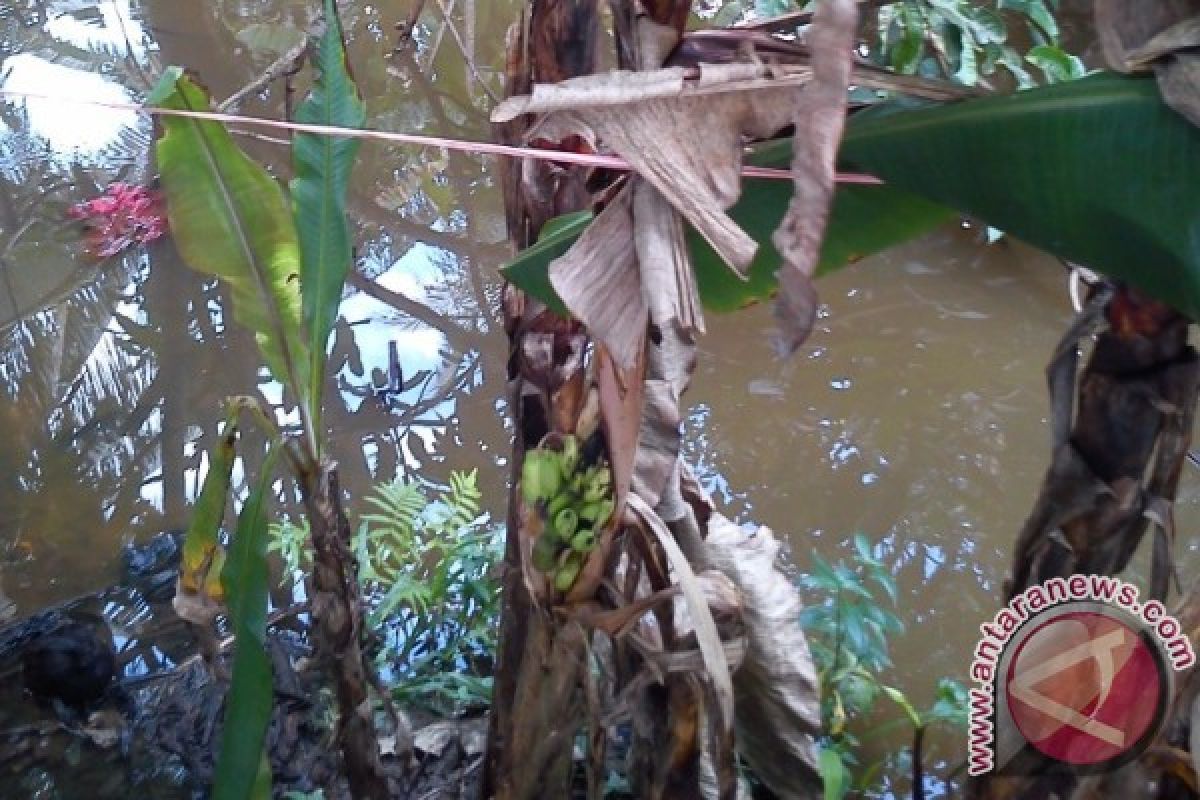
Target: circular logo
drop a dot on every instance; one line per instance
(1085, 687)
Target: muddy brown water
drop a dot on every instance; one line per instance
(916, 414)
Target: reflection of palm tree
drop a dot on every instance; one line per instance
(114, 373)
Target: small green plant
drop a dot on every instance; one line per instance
(968, 41)
(426, 562)
(849, 629)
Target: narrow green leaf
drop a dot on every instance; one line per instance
(201, 548)
(863, 548)
(899, 698)
(322, 174)
(229, 218)
(989, 25)
(248, 706)
(1037, 12)
(834, 775)
(907, 53)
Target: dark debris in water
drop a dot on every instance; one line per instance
(156, 735)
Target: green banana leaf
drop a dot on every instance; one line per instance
(239, 774)
(322, 174)
(1098, 171)
(863, 220)
(528, 271)
(229, 218)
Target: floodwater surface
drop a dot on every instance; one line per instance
(916, 414)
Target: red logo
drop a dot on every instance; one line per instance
(1086, 688)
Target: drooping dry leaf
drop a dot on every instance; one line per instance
(681, 130)
(1179, 82)
(670, 363)
(778, 705)
(820, 116)
(1183, 35)
(625, 87)
(1161, 34)
(658, 442)
(707, 638)
(668, 282)
(1123, 27)
(598, 281)
(621, 397)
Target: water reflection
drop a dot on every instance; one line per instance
(114, 372)
(915, 414)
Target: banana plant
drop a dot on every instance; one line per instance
(1026, 163)
(284, 256)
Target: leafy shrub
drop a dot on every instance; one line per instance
(968, 41)
(848, 628)
(426, 562)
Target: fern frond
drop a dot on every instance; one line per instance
(398, 505)
(464, 500)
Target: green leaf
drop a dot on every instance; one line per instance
(834, 775)
(950, 705)
(1055, 63)
(968, 59)
(907, 52)
(229, 218)
(1036, 11)
(202, 554)
(248, 708)
(886, 582)
(864, 220)
(322, 174)
(989, 26)
(899, 698)
(1098, 171)
(1053, 166)
(863, 549)
(530, 269)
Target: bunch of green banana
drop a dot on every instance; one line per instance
(574, 501)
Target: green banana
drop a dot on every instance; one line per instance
(566, 522)
(567, 574)
(575, 502)
(540, 477)
(559, 503)
(596, 512)
(584, 541)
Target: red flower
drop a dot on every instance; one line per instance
(120, 218)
